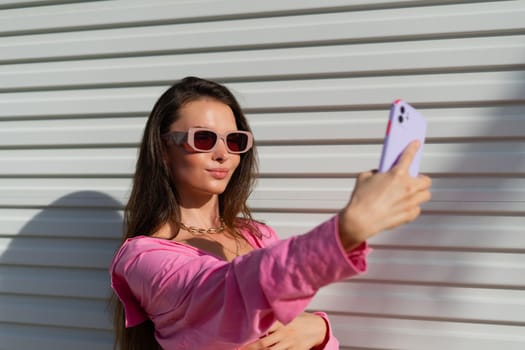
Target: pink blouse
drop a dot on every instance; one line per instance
(197, 300)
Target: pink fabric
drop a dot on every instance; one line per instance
(331, 342)
(199, 301)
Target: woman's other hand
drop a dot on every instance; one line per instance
(305, 332)
(382, 201)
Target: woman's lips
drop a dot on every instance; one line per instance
(218, 173)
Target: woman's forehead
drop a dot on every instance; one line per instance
(205, 113)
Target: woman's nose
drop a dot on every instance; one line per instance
(220, 153)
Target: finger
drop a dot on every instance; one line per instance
(421, 183)
(270, 340)
(421, 197)
(413, 204)
(413, 214)
(365, 175)
(275, 326)
(407, 157)
(284, 345)
(424, 181)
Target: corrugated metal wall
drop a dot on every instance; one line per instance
(77, 80)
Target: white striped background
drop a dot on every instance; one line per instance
(78, 78)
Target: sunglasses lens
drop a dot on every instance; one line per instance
(204, 140)
(237, 142)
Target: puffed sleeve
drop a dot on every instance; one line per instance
(198, 301)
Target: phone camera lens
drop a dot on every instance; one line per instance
(400, 118)
(402, 110)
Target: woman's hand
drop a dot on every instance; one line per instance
(382, 201)
(303, 333)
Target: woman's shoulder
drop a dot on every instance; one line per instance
(140, 243)
(134, 247)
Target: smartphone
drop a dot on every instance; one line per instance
(405, 124)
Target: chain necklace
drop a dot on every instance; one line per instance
(204, 232)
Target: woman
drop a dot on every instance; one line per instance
(197, 272)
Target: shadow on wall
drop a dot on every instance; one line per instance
(54, 280)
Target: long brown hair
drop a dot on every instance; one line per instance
(154, 199)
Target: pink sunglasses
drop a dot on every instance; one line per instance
(205, 140)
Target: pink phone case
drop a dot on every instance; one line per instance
(405, 124)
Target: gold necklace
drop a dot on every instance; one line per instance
(202, 231)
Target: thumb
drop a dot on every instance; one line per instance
(408, 156)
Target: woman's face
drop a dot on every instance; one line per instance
(202, 174)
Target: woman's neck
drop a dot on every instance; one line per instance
(202, 212)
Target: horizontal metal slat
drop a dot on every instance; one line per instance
(476, 305)
(125, 13)
(270, 193)
(443, 89)
(9, 4)
(464, 88)
(393, 333)
(431, 232)
(50, 311)
(445, 124)
(108, 193)
(70, 102)
(105, 193)
(472, 158)
(94, 162)
(58, 282)
(270, 32)
(343, 60)
(448, 194)
(68, 132)
(88, 223)
(493, 270)
(287, 161)
(467, 233)
(57, 252)
(427, 232)
(28, 336)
